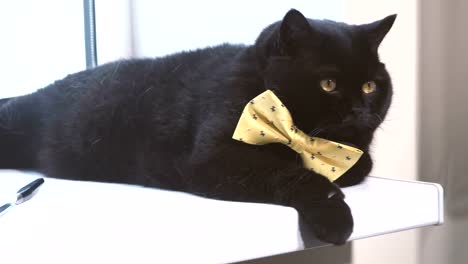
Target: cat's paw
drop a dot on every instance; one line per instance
(330, 220)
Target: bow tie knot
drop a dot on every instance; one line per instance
(299, 141)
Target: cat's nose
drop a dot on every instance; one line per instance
(357, 111)
(355, 114)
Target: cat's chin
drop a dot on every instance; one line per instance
(349, 135)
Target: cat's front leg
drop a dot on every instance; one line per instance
(239, 172)
(319, 203)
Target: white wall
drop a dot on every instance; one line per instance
(395, 146)
(163, 27)
(147, 28)
(114, 30)
(41, 41)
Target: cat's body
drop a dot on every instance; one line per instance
(168, 122)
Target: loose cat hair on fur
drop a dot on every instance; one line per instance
(167, 122)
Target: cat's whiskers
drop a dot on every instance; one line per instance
(378, 117)
(315, 132)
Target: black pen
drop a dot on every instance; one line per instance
(28, 191)
(23, 194)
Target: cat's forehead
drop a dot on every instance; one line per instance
(342, 44)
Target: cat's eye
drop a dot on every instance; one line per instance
(369, 87)
(328, 85)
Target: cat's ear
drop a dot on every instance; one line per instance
(293, 30)
(377, 31)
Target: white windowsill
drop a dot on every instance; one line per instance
(85, 222)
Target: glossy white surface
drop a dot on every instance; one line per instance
(85, 222)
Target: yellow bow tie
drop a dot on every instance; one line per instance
(266, 120)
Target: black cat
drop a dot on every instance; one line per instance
(168, 122)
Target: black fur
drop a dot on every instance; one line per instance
(168, 122)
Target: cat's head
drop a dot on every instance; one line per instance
(328, 74)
